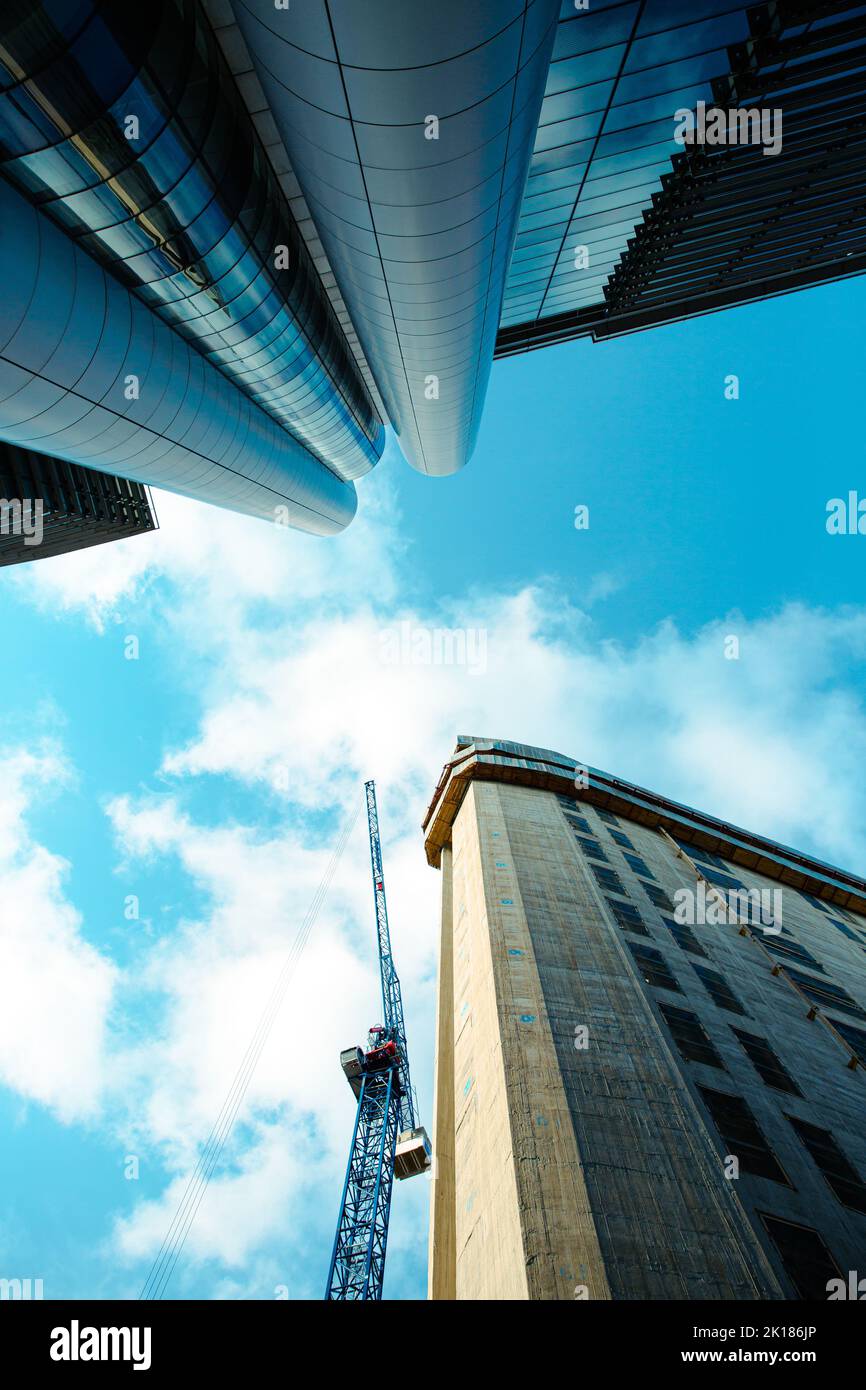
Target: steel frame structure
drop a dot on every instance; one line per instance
(385, 1109)
(358, 1258)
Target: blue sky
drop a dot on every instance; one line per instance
(698, 504)
(209, 777)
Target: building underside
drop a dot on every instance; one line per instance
(239, 239)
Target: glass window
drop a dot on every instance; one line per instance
(840, 1175)
(808, 1263)
(825, 994)
(718, 989)
(704, 856)
(639, 865)
(742, 1136)
(591, 848)
(849, 916)
(846, 931)
(620, 838)
(608, 880)
(816, 902)
(691, 1038)
(766, 1063)
(788, 947)
(627, 916)
(855, 1039)
(684, 937)
(721, 880)
(653, 967)
(658, 896)
(570, 100)
(598, 28)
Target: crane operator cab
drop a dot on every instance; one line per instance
(381, 1050)
(380, 1055)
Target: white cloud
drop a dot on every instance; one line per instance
(227, 559)
(765, 740)
(603, 585)
(280, 638)
(304, 708)
(56, 989)
(241, 1210)
(215, 975)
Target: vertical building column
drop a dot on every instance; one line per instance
(490, 1258)
(442, 1270)
(410, 128)
(522, 1221)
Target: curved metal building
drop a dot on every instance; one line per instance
(410, 128)
(124, 126)
(91, 375)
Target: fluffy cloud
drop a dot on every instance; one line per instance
(302, 690)
(216, 976)
(243, 1209)
(290, 645)
(772, 738)
(219, 559)
(307, 701)
(56, 990)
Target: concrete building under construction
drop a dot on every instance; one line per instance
(651, 1046)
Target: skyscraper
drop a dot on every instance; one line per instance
(631, 219)
(238, 238)
(651, 1045)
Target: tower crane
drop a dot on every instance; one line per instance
(387, 1142)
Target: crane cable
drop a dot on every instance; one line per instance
(157, 1280)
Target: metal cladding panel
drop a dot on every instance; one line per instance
(74, 345)
(418, 230)
(124, 125)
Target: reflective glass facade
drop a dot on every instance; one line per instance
(123, 124)
(609, 188)
(409, 128)
(606, 137)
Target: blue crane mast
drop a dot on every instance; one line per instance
(386, 1142)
